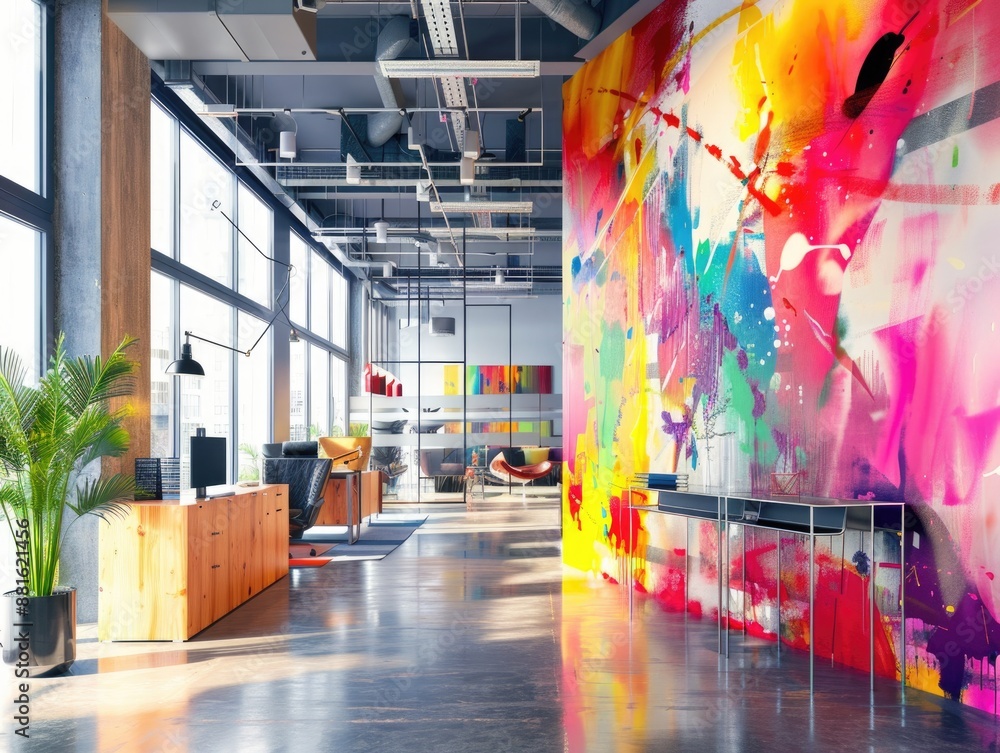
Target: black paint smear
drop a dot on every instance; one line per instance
(874, 71)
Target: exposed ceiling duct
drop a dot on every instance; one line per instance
(217, 29)
(392, 40)
(575, 15)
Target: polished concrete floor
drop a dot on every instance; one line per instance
(469, 637)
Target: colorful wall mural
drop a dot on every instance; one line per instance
(781, 257)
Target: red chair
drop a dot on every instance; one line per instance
(519, 474)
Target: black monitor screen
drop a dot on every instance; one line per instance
(208, 461)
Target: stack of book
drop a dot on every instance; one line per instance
(672, 481)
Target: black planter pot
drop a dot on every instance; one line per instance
(40, 636)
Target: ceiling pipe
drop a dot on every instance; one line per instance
(392, 40)
(575, 15)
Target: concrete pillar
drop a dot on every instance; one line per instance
(77, 235)
(100, 236)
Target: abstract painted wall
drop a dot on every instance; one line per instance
(781, 257)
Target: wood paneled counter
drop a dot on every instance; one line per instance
(170, 568)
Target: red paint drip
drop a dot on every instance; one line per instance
(638, 149)
(989, 575)
(713, 150)
(784, 168)
(694, 134)
(993, 195)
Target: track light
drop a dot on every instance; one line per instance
(293, 336)
(500, 279)
(381, 231)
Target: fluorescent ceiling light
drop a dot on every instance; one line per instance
(219, 111)
(507, 232)
(492, 207)
(461, 68)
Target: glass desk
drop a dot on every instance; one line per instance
(799, 514)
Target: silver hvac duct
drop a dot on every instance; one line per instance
(575, 15)
(392, 40)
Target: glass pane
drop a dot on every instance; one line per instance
(319, 392)
(338, 389)
(253, 395)
(253, 269)
(21, 92)
(299, 257)
(161, 142)
(162, 352)
(205, 401)
(20, 292)
(339, 305)
(206, 236)
(319, 302)
(297, 380)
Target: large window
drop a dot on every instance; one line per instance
(299, 385)
(206, 242)
(319, 392)
(338, 392)
(162, 340)
(206, 402)
(298, 308)
(253, 404)
(319, 296)
(163, 160)
(21, 93)
(223, 285)
(256, 222)
(339, 305)
(25, 210)
(21, 320)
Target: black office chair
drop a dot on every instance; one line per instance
(306, 479)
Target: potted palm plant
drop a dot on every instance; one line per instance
(49, 436)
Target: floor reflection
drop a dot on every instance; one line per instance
(470, 637)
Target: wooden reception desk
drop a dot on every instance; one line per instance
(170, 568)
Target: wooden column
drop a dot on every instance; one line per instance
(125, 219)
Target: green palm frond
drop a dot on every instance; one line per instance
(49, 434)
(105, 494)
(92, 380)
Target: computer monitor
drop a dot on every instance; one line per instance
(208, 463)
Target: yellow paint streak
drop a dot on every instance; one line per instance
(965, 10)
(747, 78)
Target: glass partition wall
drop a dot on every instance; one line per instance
(461, 400)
